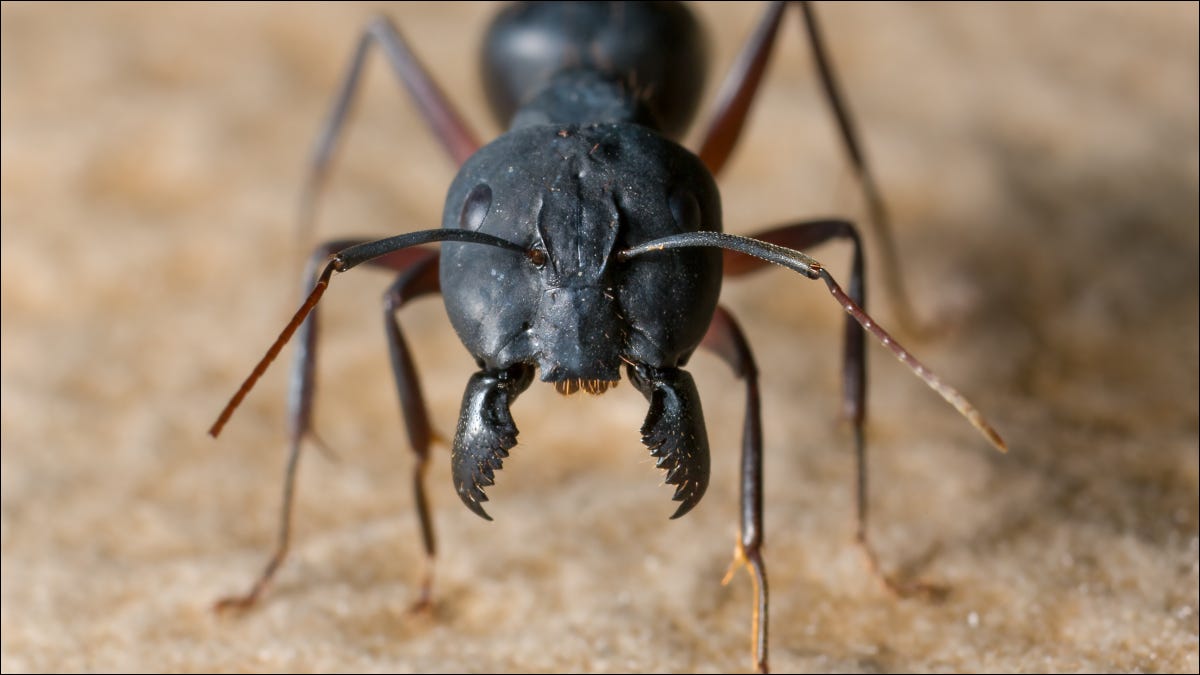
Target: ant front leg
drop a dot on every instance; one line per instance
(417, 268)
(415, 280)
(443, 118)
(732, 106)
(803, 236)
(726, 339)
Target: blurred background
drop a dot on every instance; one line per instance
(1040, 162)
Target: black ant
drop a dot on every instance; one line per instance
(584, 241)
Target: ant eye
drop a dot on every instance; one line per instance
(475, 207)
(685, 210)
(537, 256)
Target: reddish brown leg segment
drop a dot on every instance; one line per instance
(737, 92)
(421, 278)
(732, 107)
(726, 340)
(443, 118)
(803, 236)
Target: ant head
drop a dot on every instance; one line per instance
(574, 197)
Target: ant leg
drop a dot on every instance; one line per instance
(419, 279)
(443, 118)
(395, 253)
(733, 105)
(300, 391)
(300, 404)
(726, 339)
(877, 213)
(803, 236)
(737, 92)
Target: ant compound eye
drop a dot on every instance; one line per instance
(537, 256)
(475, 208)
(685, 210)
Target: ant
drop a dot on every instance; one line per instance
(585, 240)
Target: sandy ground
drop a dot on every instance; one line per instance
(1040, 160)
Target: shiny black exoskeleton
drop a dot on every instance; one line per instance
(584, 241)
(574, 312)
(590, 89)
